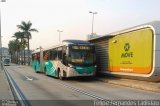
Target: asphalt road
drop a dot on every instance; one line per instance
(42, 89)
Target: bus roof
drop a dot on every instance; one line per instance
(77, 41)
(65, 42)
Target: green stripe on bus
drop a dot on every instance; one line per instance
(50, 68)
(87, 70)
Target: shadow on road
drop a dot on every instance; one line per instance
(82, 79)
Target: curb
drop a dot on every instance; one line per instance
(142, 85)
(5, 90)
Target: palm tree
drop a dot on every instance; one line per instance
(24, 45)
(17, 46)
(14, 47)
(12, 50)
(20, 35)
(25, 27)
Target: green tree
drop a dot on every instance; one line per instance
(24, 45)
(20, 35)
(14, 47)
(26, 28)
(12, 50)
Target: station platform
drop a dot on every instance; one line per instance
(143, 85)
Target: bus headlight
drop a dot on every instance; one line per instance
(71, 66)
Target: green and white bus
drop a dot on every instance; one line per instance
(6, 61)
(70, 59)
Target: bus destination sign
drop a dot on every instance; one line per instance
(82, 47)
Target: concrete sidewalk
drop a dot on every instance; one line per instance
(143, 85)
(5, 91)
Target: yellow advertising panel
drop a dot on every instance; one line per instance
(131, 52)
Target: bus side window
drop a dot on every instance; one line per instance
(46, 55)
(60, 53)
(38, 57)
(50, 54)
(64, 56)
(54, 54)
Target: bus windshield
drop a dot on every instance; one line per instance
(82, 55)
(6, 61)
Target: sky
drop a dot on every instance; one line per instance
(73, 18)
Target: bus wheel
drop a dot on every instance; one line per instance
(59, 75)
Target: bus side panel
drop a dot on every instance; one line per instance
(132, 52)
(33, 64)
(37, 66)
(50, 68)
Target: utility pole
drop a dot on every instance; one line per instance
(1, 39)
(59, 31)
(93, 13)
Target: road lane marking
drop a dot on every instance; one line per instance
(81, 91)
(86, 93)
(29, 79)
